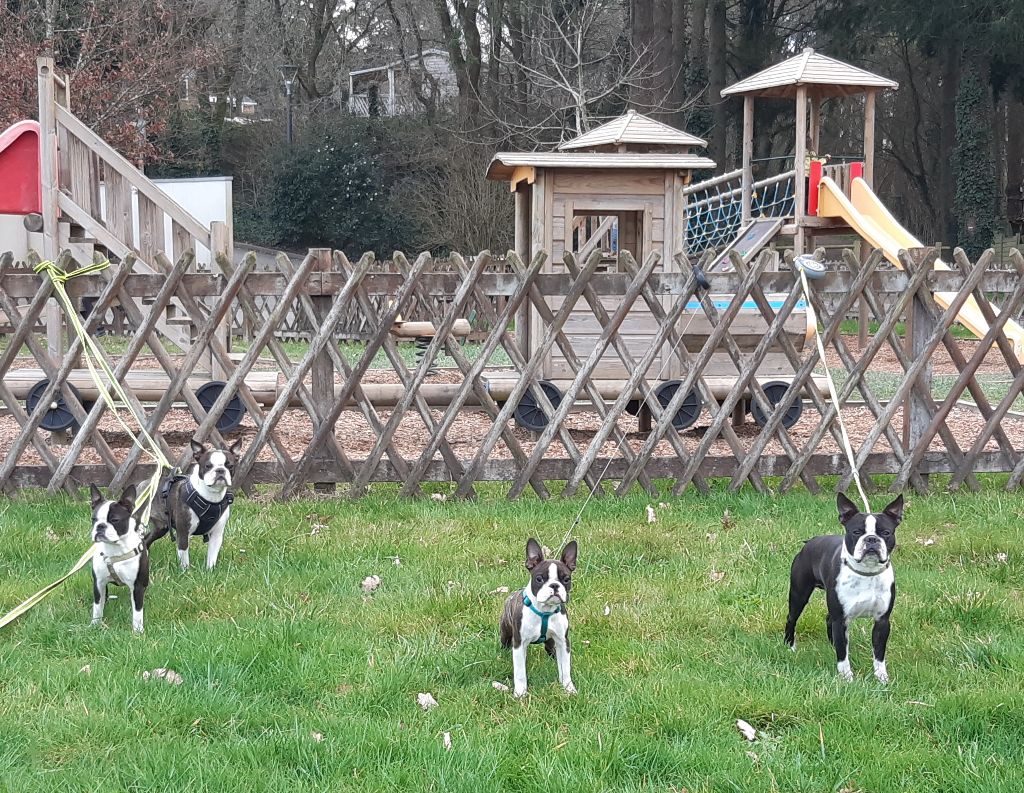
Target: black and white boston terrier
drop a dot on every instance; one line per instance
(122, 557)
(856, 573)
(537, 614)
(197, 504)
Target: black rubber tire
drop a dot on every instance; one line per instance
(529, 414)
(234, 411)
(776, 390)
(59, 417)
(688, 412)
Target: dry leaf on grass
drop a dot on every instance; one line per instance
(607, 609)
(502, 590)
(439, 496)
(746, 729)
(447, 739)
(51, 535)
(426, 701)
(727, 521)
(926, 541)
(85, 670)
(716, 575)
(651, 517)
(396, 562)
(499, 686)
(370, 583)
(169, 675)
(317, 736)
(1001, 557)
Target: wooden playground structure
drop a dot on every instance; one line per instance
(624, 338)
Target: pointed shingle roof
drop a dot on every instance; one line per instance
(831, 77)
(633, 128)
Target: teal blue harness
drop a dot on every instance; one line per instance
(544, 617)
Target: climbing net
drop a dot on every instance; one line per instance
(714, 207)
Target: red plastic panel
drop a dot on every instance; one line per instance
(20, 191)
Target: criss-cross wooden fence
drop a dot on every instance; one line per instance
(918, 403)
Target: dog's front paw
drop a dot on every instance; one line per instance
(881, 673)
(569, 688)
(519, 693)
(845, 672)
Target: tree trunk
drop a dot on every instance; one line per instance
(680, 50)
(1015, 164)
(716, 80)
(947, 143)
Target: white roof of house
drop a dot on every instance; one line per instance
(632, 128)
(411, 60)
(504, 163)
(809, 68)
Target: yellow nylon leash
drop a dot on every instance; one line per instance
(95, 361)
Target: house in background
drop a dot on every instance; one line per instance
(403, 87)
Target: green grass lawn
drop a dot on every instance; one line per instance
(296, 680)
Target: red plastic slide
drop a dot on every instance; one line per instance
(20, 191)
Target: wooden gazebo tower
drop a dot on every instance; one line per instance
(807, 78)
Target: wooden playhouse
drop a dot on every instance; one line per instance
(620, 187)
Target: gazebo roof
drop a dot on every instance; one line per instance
(829, 77)
(633, 128)
(504, 164)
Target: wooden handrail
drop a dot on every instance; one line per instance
(782, 177)
(728, 176)
(137, 179)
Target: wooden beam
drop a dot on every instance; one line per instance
(50, 192)
(869, 137)
(815, 124)
(747, 179)
(800, 155)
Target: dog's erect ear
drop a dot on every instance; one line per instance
(197, 449)
(847, 509)
(895, 509)
(534, 555)
(569, 556)
(236, 447)
(97, 496)
(128, 498)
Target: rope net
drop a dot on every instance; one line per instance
(714, 207)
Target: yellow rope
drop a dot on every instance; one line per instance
(95, 361)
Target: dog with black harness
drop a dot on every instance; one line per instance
(197, 503)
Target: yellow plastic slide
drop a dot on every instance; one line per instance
(868, 216)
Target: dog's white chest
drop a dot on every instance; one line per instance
(864, 596)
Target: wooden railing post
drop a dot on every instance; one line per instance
(220, 243)
(323, 366)
(920, 326)
(50, 192)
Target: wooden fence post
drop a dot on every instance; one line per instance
(323, 366)
(919, 327)
(221, 243)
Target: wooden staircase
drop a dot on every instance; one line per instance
(96, 202)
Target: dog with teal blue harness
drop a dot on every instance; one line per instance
(537, 614)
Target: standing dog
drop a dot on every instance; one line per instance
(122, 557)
(537, 614)
(198, 504)
(856, 573)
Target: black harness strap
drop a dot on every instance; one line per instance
(208, 512)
